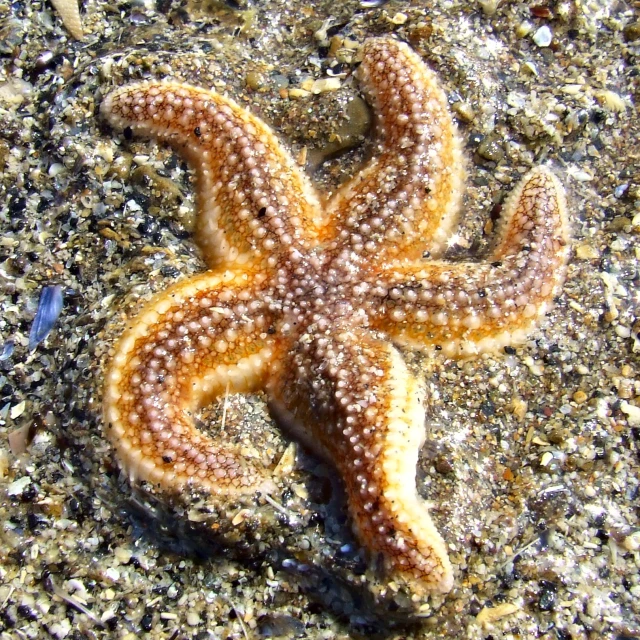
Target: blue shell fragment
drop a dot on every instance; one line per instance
(7, 350)
(49, 308)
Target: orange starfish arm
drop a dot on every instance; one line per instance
(190, 343)
(372, 416)
(69, 12)
(253, 201)
(405, 200)
(467, 308)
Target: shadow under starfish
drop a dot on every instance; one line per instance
(307, 300)
(330, 583)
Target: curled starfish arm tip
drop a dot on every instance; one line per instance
(469, 307)
(419, 188)
(188, 345)
(254, 203)
(372, 412)
(307, 306)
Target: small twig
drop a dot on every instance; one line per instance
(239, 617)
(11, 590)
(224, 407)
(74, 603)
(278, 506)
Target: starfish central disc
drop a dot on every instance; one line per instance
(307, 302)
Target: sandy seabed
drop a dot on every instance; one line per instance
(531, 460)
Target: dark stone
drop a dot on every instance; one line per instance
(547, 595)
(146, 622)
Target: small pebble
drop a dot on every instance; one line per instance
(443, 465)
(17, 410)
(489, 7)
(632, 412)
(325, 84)
(547, 596)
(632, 32)
(464, 110)
(543, 36)
(398, 18)
(580, 396)
(491, 614)
(255, 80)
(18, 486)
(295, 92)
(611, 101)
(632, 542)
(193, 619)
(546, 458)
(56, 169)
(491, 149)
(622, 331)
(524, 29)
(587, 252)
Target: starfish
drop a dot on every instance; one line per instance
(309, 300)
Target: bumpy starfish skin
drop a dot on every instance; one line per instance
(307, 302)
(69, 12)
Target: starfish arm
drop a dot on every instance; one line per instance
(405, 200)
(254, 203)
(467, 308)
(350, 393)
(69, 12)
(189, 344)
